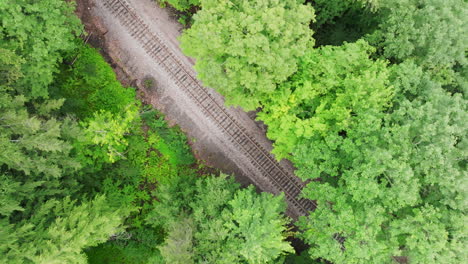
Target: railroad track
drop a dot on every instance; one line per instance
(164, 57)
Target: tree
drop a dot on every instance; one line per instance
(33, 144)
(107, 131)
(178, 247)
(49, 207)
(333, 88)
(219, 223)
(90, 85)
(253, 46)
(340, 21)
(36, 161)
(183, 5)
(432, 33)
(255, 229)
(10, 67)
(327, 10)
(38, 31)
(57, 232)
(13, 193)
(394, 185)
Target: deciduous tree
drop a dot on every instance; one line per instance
(253, 46)
(433, 32)
(333, 87)
(35, 31)
(108, 131)
(183, 5)
(394, 185)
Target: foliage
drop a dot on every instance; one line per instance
(58, 231)
(333, 88)
(254, 45)
(10, 67)
(327, 10)
(303, 258)
(36, 152)
(216, 222)
(37, 31)
(13, 193)
(85, 168)
(385, 148)
(54, 169)
(39, 172)
(108, 131)
(183, 5)
(430, 32)
(394, 185)
(256, 229)
(170, 142)
(135, 247)
(130, 182)
(178, 247)
(343, 21)
(90, 85)
(40, 165)
(108, 111)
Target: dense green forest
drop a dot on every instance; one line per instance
(90, 175)
(367, 98)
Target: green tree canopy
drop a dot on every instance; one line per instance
(183, 5)
(38, 31)
(10, 67)
(58, 231)
(244, 48)
(395, 184)
(52, 167)
(36, 151)
(333, 87)
(216, 222)
(90, 85)
(432, 32)
(327, 10)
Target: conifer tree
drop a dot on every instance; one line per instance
(58, 231)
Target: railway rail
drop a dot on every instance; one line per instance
(282, 180)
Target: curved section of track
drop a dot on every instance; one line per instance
(163, 56)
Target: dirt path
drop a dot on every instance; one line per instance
(141, 39)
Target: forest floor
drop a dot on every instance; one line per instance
(135, 68)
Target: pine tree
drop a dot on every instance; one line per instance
(58, 231)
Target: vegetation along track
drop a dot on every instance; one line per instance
(260, 158)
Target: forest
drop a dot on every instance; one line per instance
(367, 98)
